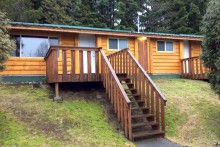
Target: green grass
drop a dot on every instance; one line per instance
(192, 112)
(30, 118)
(15, 134)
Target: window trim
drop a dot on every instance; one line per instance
(25, 35)
(165, 51)
(117, 42)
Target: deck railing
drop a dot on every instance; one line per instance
(117, 95)
(193, 68)
(124, 62)
(72, 64)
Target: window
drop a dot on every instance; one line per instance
(118, 44)
(29, 46)
(165, 46)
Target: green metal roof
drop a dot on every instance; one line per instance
(103, 29)
(175, 35)
(69, 27)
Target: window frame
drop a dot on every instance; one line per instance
(25, 35)
(118, 49)
(165, 45)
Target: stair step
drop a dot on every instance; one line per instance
(142, 116)
(145, 124)
(140, 108)
(138, 101)
(127, 80)
(130, 84)
(132, 89)
(134, 95)
(147, 133)
(124, 75)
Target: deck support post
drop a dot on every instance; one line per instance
(57, 95)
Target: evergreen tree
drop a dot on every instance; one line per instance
(6, 45)
(21, 10)
(211, 43)
(128, 14)
(175, 16)
(55, 11)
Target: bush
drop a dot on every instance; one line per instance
(211, 43)
(6, 45)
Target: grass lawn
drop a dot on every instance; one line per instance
(192, 112)
(28, 117)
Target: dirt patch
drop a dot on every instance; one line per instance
(93, 95)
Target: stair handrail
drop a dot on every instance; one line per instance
(146, 75)
(141, 68)
(115, 76)
(117, 95)
(123, 62)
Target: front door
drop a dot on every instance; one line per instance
(186, 54)
(88, 40)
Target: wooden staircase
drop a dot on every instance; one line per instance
(138, 103)
(143, 122)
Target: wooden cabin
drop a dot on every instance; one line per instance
(158, 53)
(121, 60)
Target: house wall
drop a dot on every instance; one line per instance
(102, 41)
(164, 62)
(35, 65)
(168, 62)
(195, 48)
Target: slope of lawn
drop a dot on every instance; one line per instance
(192, 112)
(28, 117)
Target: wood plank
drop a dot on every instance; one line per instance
(97, 65)
(73, 65)
(81, 65)
(65, 78)
(89, 65)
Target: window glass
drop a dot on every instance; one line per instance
(34, 46)
(169, 46)
(113, 44)
(17, 40)
(123, 43)
(53, 41)
(29, 46)
(161, 46)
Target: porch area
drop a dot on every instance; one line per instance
(72, 64)
(193, 68)
(138, 103)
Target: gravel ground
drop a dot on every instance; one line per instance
(156, 142)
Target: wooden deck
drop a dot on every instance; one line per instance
(193, 68)
(66, 64)
(140, 108)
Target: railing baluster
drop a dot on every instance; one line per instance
(89, 65)
(64, 77)
(73, 64)
(81, 65)
(201, 69)
(197, 70)
(157, 107)
(97, 65)
(162, 115)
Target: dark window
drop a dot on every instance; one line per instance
(169, 46)
(113, 44)
(123, 43)
(17, 40)
(165, 46)
(118, 44)
(161, 46)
